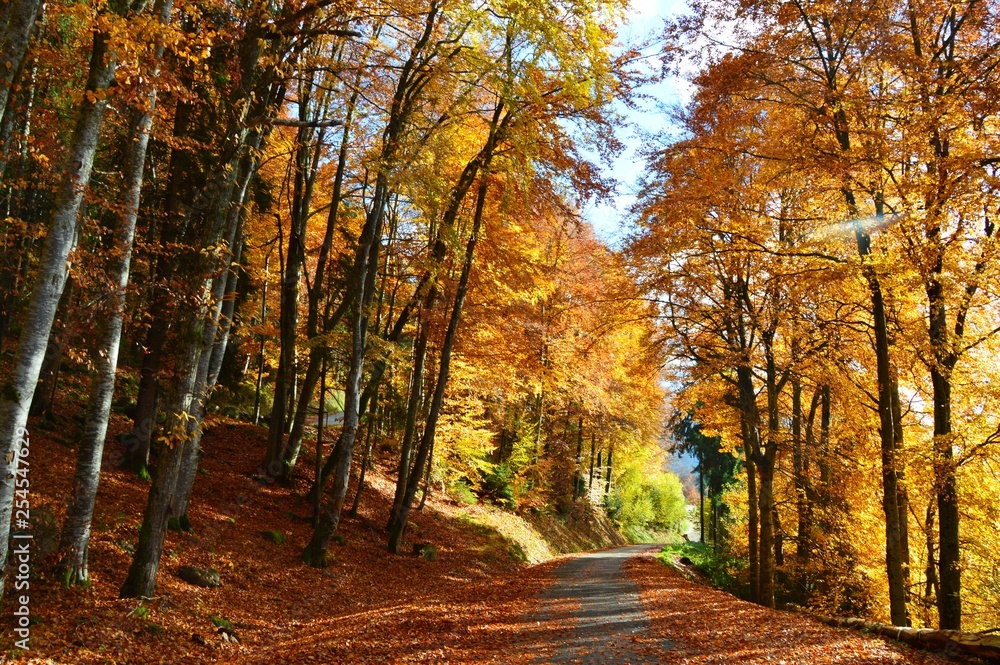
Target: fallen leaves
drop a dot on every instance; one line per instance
(708, 626)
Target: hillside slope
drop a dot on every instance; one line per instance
(275, 604)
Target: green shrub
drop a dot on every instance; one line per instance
(498, 486)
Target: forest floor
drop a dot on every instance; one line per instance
(368, 606)
(479, 602)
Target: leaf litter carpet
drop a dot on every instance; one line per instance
(476, 604)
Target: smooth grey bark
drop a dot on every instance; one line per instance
(179, 393)
(228, 311)
(370, 436)
(21, 19)
(180, 396)
(18, 390)
(75, 538)
(203, 381)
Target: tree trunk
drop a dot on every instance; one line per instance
(753, 527)
(203, 385)
(902, 496)
(228, 311)
(607, 482)
(178, 396)
(398, 527)
(137, 441)
(320, 427)
(75, 538)
(578, 473)
(410, 426)
(800, 468)
(949, 598)
(184, 392)
(260, 352)
(307, 154)
(765, 473)
(427, 478)
(949, 561)
(18, 390)
(365, 263)
(307, 390)
(369, 442)
(701, 501)
(318, 287)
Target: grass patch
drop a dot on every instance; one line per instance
(221, 621)
(276, 536)
(519, 540)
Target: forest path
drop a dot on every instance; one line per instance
(592, 614)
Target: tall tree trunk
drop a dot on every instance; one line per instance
(593, 444)
(366, 458)
(319, 284)
(203, 383)
(753, 522)
(228, 311)
(607, 482)
(306, 155)
(398, 527)
(799, 465)
(320, 427)
(60, 239)
(410, 425)
(824, 441)
(182, 395)
(765, 497)
(365, 263)
(949, 563)
(181, 391)
(578, 473)
(427, 478)
(177, 400)
(260, 352)
(949, 598)
(931, 590)
(701, 501)
(75, 537)
(884, 370)
(137, 442)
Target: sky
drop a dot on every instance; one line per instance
(645, 20)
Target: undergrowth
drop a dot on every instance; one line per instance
(720, 569)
